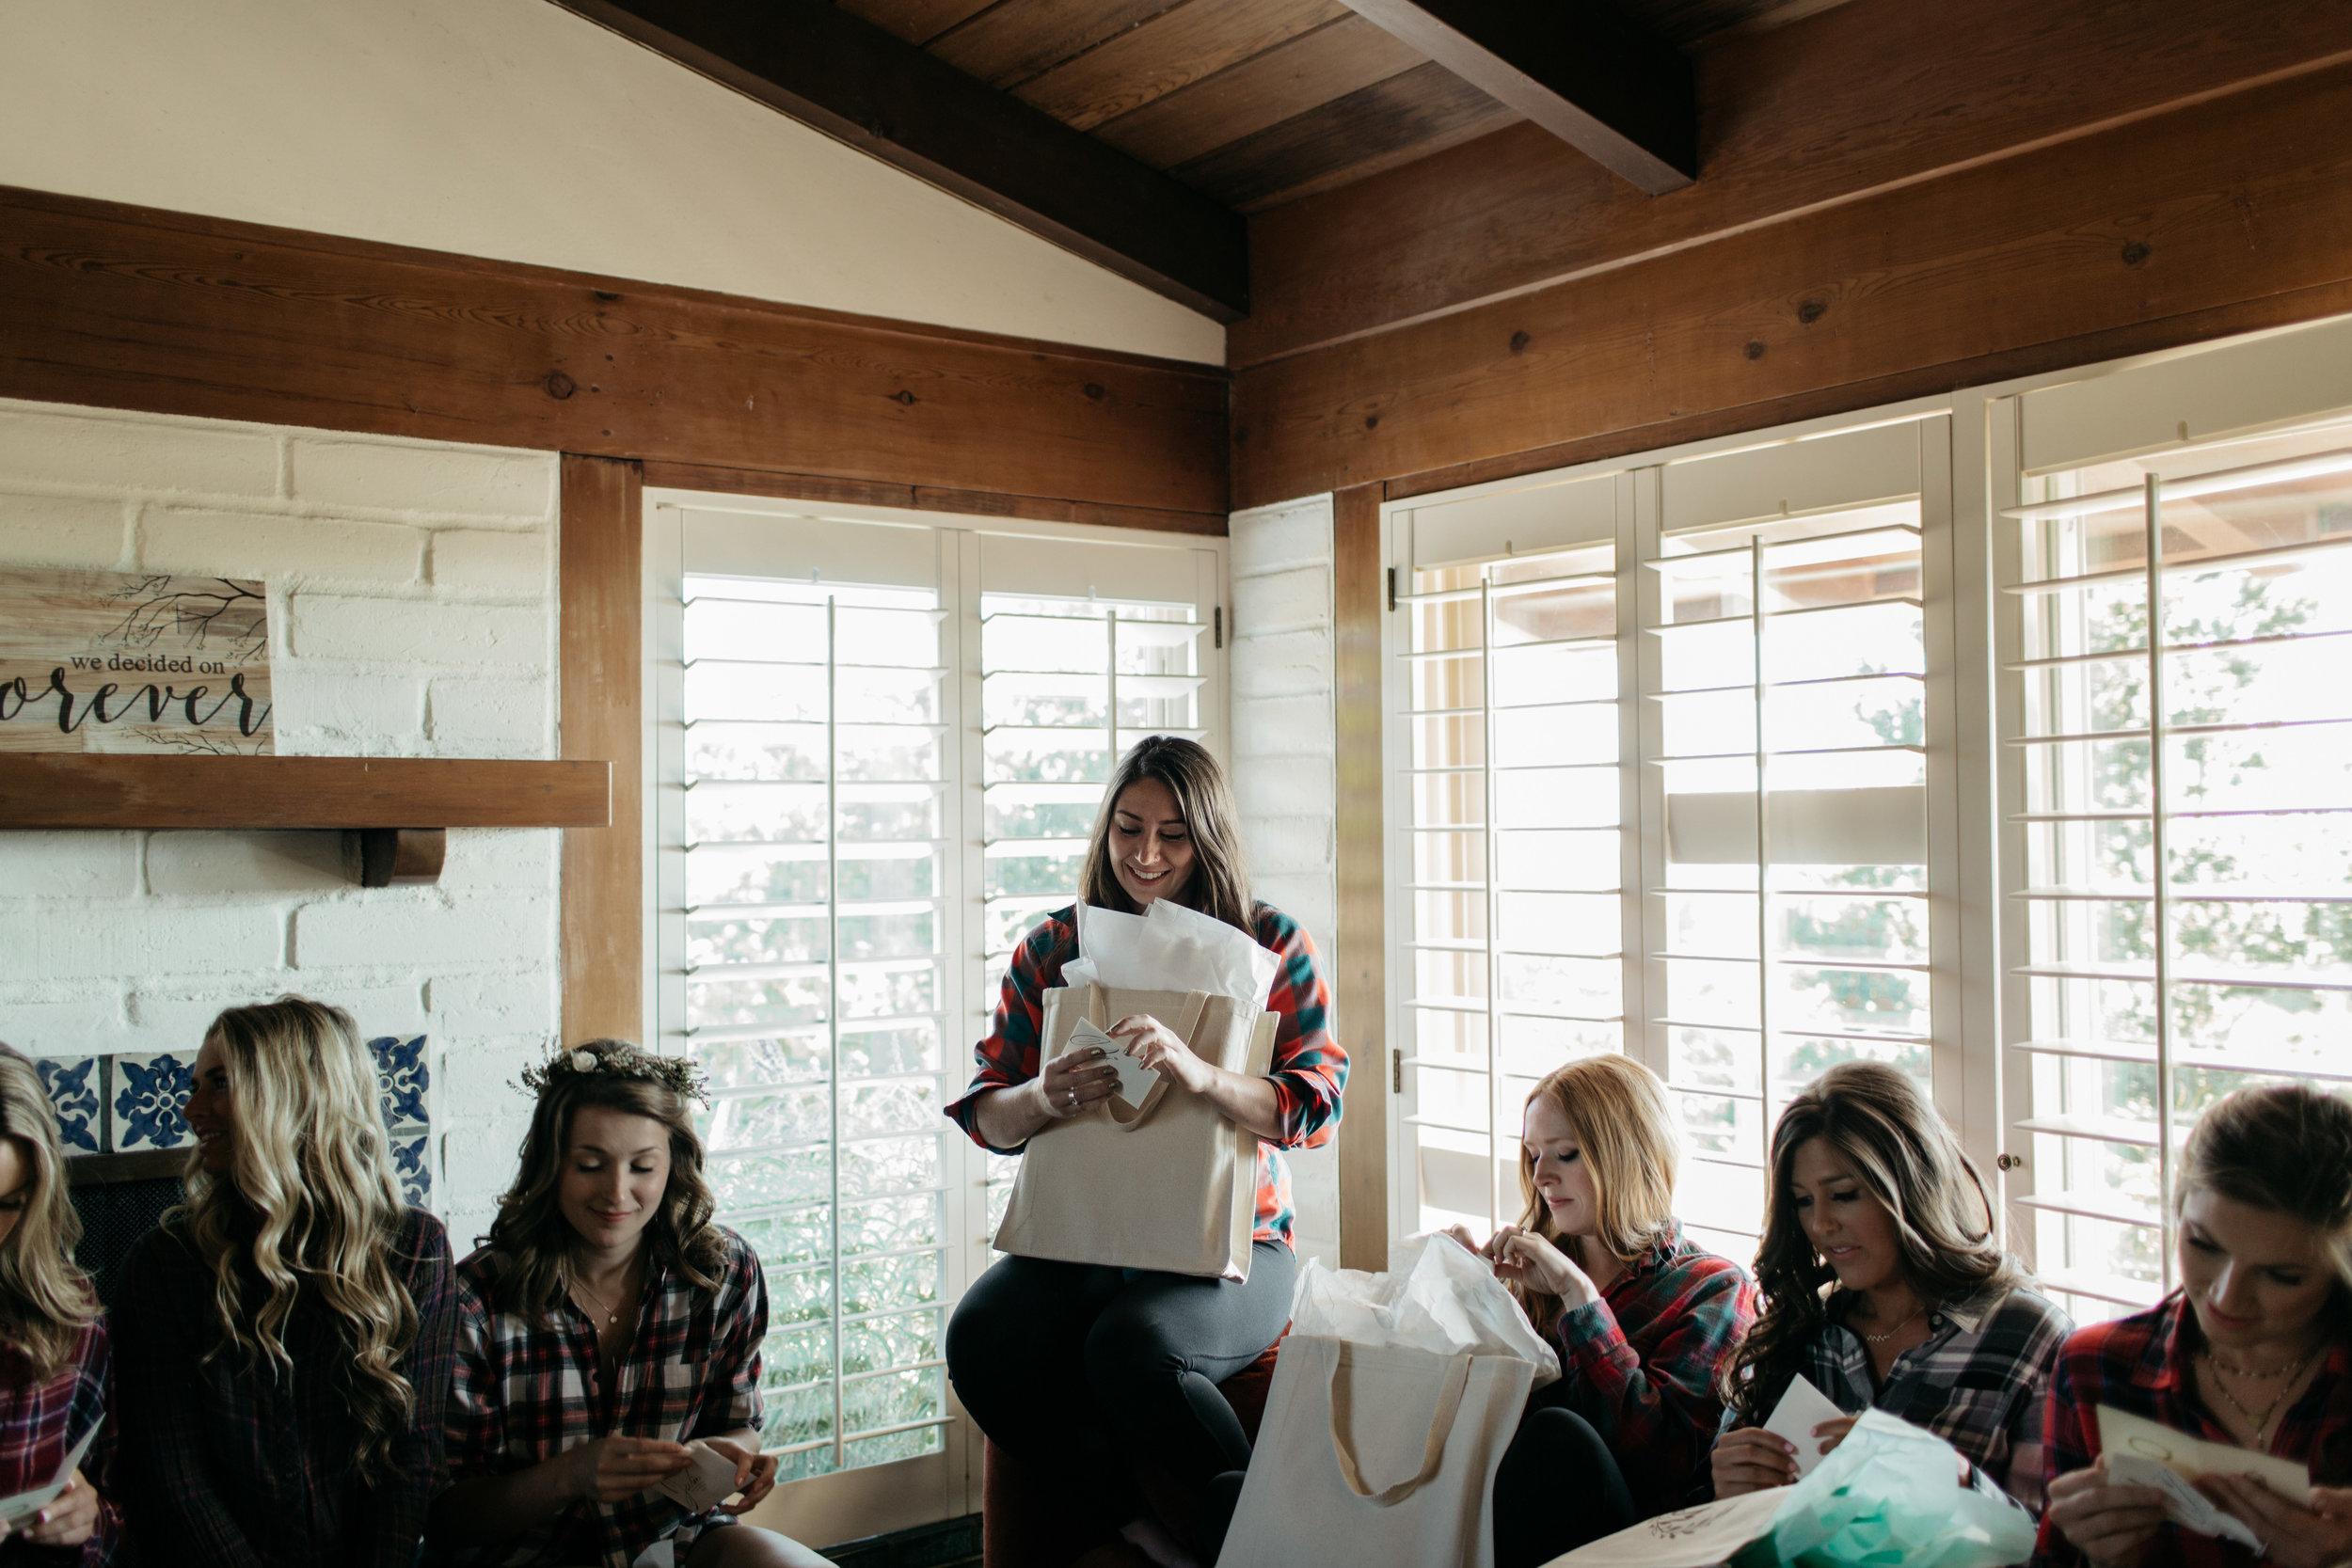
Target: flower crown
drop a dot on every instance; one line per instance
(675, 1073)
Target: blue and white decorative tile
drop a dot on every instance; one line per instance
(403, 1078)
(150, 1102)
(412, 1162)
(77, 1093)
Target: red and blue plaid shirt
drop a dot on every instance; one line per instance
(41, 1420)
(527, 1388)
(2140, 1365)
(1649, 1388)
(1309, 1072)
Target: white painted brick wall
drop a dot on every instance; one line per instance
(412, 602)
(1284, 678)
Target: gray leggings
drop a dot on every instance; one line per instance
(1052, 1358)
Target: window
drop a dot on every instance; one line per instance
(1730, 655)
(2181, 737)
(879, 745)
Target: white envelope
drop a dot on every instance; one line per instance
(2182, 1503)
(1800, 1410)
(1700, 1537)
(1134, 1079)
(18, 1510)
(2142, 1452)
(706, 1482)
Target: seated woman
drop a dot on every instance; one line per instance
(2254, 1350)
(53, 1343)
(607, 1325)
(1051, 1358)
(1885, 1286)
(1644, 1320)
(282, 1339)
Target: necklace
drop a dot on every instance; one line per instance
(1881, 1338)
(2248, 1372)
(603, 1305)
(2262, 1422)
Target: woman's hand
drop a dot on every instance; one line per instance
(1155, 1045)
(1830, 1433)
(69, 1517)
(754, 1473)
(1075, 1081)
(612, 1468)
(1752, 1459)
(2299, 1537)
(1530, 1262)
(2108, 1524)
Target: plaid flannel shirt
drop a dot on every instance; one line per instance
(2140, 1365)
(1309, 1072)
(528, 1389)
(231, 1464)
(41, 1420)
(1650, 1389)
(1977, 1381)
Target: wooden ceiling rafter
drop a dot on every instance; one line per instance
(1584, 72)
(871, 90)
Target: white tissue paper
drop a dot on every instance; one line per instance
(1169, 948)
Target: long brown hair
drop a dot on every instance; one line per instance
(1902, 1154)
(530, 1234)
(1219, 884)
(45, 1298)
(1625, 1137)
(309, 1205)
(2287, 1148)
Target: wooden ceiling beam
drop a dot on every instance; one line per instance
(1597, 80)
(859, 84)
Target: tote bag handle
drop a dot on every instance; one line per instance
(1433, 1452)
(1188, 1028)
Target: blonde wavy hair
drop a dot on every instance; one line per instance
(309, 1205)
(1624, 1135)
(45, 1298)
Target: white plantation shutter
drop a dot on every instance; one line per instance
(2179, 737)
(1641, 806)
(881, 745)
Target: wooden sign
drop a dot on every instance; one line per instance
(113, 661)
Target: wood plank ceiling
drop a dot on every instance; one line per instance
(1253, 103)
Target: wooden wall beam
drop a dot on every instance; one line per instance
(599, 561)
(1834, 108)
(1361, 945)
(923, 498)
(886, 98)
(1598, 80)
(134, 308)
(2226, 214)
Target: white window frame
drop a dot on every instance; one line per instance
(901, 1494)
(2274, 379)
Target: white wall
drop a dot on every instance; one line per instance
(412, 613)
(1284, 678)
(515, 129)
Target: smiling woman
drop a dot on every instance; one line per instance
(1052, 1358)
(1929, 1320)
(607, 1333)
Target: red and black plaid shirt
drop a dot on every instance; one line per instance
(1640, 1363)
(527, 1389)
(41, 1420)
(2140, 1365)
(1310, 1068)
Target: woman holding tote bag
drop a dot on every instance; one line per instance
(1885, 1287)
(1644, 1320)
(1054, 1358)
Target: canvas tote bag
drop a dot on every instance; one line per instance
(1170, 1184)
(1394, 1399)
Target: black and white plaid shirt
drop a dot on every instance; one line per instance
(1978, 1381)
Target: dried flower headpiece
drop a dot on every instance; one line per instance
(675, 1073)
